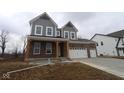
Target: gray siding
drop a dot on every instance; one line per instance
(70, 29)
(44, 23)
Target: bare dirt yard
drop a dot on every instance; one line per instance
(58, 71)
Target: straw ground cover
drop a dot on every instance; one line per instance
(60, 71)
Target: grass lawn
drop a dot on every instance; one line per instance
(59, 71)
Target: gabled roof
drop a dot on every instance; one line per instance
(117, 34)
(43, 16)
(69, 24)
(102, 35)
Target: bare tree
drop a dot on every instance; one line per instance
(16, 52)
(3, 40)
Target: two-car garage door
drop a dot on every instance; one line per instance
(78, 53)
(81, 53)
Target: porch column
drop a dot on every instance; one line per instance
(26, 55)
(57, 50)
(67, 49)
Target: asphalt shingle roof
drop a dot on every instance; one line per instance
(117, 34)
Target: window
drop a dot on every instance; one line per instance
(49, 31)
(36, 48)
(58, 33)
(38, 30)
(72, 35)
(123, 41)
(48, 48)
(97, 44)
(66, 34)
(101, 43)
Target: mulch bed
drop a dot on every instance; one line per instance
(64, 71)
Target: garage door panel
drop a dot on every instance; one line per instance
(78, 53)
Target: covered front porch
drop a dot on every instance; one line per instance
(39, 47)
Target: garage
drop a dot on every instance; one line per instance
(92, 53)
(78, 53)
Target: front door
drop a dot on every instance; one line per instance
(61, 50)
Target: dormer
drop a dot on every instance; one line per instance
(43, 25)
(69, 31)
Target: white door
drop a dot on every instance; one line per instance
(78, 53)
(93, 53)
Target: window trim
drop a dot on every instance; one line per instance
(47, 30)
(57, 33)
(34, 48)
(36, 29)
(49, 48)
(74, 35)
(68, 34)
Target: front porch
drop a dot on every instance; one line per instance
(59, 48)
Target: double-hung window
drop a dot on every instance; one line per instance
(48, 48)
(38, 29)
(49, 31)
(66, 34)
(72, 35)
(36, 49)
(58, 33)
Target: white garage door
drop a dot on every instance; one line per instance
(78, 53)
(93, 53)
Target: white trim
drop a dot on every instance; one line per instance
(55, 32)
(49, 48)
(47, 30)
(71, 35)
(35, 48)
(68, 34)
(36, 29)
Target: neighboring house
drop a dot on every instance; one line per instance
(48, 41)
(111, 44)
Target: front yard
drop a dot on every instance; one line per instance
(58, 71)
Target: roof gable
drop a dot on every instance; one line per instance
(43, 16)
(117, 34)
(69, 24)
(102, 35)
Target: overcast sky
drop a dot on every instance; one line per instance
(15, 16)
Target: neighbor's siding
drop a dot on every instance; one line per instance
(109, 45)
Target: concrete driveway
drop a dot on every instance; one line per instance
(110, 65)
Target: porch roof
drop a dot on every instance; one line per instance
(39, 38)
(82, 42)
(46, 38)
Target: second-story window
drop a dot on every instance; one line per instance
(49, 31)
(58, 33)
(38, 30)
(72, 35)
(101, 43)
(66, 34)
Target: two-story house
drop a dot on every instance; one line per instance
(111, 44)
(48, 41)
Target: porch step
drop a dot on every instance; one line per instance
(65, 59)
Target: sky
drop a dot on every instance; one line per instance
(16, 14)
